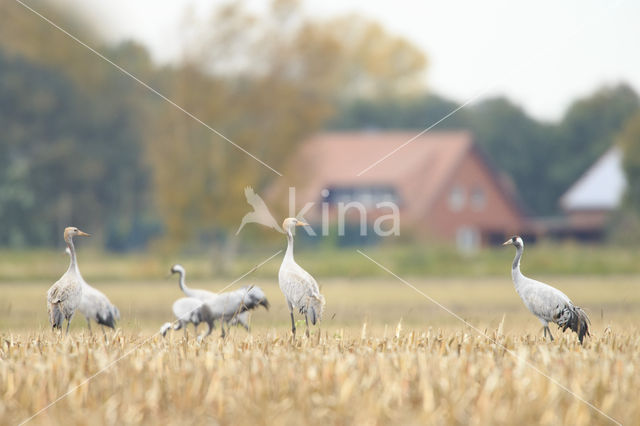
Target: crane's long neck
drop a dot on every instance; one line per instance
(183, 285)
(73, 265)
(515, 267)
(289, 252)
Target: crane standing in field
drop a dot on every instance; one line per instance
(241, 318)
(63, 298)
(298, 286)
(547, 303)
(94, 305)
(232, 307)
(190, 310)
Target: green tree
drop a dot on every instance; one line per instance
(630, 144)
(590, 127)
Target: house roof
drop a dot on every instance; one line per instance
(601, 187)
(418, 169)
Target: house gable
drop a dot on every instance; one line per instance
(473, 200)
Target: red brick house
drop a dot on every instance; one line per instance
(441, 182)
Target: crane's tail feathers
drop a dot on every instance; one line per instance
(315, 308)
(55, 316)
(109, 320)
(264, 302)
(578, 321)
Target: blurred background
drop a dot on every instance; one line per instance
(547, 144)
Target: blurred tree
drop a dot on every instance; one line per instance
(398, 112)
(519, 146)
(630, 144)
(73, 141)
(543, 159)
(588, 129)
(624, 226)
(63, 161)
(266, 82)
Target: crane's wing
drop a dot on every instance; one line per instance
(543, 300)
(57, 292)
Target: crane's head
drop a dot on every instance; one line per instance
(291, 222)
(515, 240)
(72, 231)
(177, 269)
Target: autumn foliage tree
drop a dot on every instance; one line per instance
(265, 82)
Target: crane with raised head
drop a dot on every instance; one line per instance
(65, 295)
(300, 289)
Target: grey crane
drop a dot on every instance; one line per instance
(94, 305)
(298, 286)
(547, 303)
(63, 298)
(189, 310)
(242, 318)
(232, 307)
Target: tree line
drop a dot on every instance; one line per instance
(84, 144)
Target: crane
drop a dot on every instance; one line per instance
(242, 318)
(300, 289)
(232, 307)
(545, 302)
(94, 305)
(63, 298)
(190, 310)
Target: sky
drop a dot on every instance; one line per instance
(542, 55)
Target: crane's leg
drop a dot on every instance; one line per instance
(103, 332)
(89, 325)
(546, 330)
(293, 321)
(293, 324)
(68, 323)
(306, 320)
(222, 328)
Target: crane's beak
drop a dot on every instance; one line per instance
(506, 243)
(83, 234)
(301, 223)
